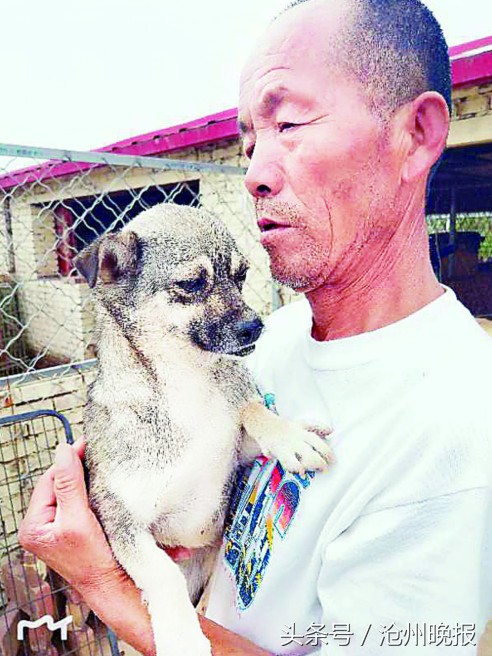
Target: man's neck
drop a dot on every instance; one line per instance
(398, 284)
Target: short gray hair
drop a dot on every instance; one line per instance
(396, 49)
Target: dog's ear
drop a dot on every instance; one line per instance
(87, 262)
(109, 258)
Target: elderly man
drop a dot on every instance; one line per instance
(344, 110)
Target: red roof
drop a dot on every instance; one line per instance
(194, 133)
(471, 63)
(198, 132)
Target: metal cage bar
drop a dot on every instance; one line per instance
(21, 572)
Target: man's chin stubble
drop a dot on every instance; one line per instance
(300, 278)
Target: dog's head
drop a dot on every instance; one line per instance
(173, 271)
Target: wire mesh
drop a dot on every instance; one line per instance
(53, 208)
(29, 590)
(461, 251)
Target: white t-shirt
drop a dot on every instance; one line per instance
(392, 546)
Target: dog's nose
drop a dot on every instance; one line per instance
(249, 331)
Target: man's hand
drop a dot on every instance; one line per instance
(61, 529)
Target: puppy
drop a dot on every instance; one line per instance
(173, 411)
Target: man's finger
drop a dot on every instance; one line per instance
(79, 447)
(42, 505)
(69, 486)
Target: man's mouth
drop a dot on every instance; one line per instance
(266, 225)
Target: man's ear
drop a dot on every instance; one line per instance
(427, 127)
(109, 258)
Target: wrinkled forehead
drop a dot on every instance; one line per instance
(302, 37)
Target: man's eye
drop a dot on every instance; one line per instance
(193, 286)
(282, 127)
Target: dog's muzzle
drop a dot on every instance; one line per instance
(249, 331)
(228, 337)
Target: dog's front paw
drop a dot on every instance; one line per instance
(303, 449)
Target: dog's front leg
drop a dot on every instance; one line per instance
(175, 623)
(297, 447)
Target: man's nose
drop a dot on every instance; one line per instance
(263, 177)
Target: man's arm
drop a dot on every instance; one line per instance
(60, 528)
(118, 604)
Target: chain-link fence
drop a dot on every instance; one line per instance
(53, 208)
(461, 251)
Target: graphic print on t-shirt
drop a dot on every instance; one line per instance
(264, 504)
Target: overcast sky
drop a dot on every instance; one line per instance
(84, 73)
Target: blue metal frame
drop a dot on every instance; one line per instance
(28, 416)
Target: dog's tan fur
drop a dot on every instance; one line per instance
(173, 411)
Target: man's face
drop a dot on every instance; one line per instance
(320, 172)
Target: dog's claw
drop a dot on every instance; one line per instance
(303, 449)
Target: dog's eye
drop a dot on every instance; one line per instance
(240, 276)
(193, 286)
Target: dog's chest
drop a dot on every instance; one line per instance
(205, 430)
(201, 432)
(198, 408)
(184, 436)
